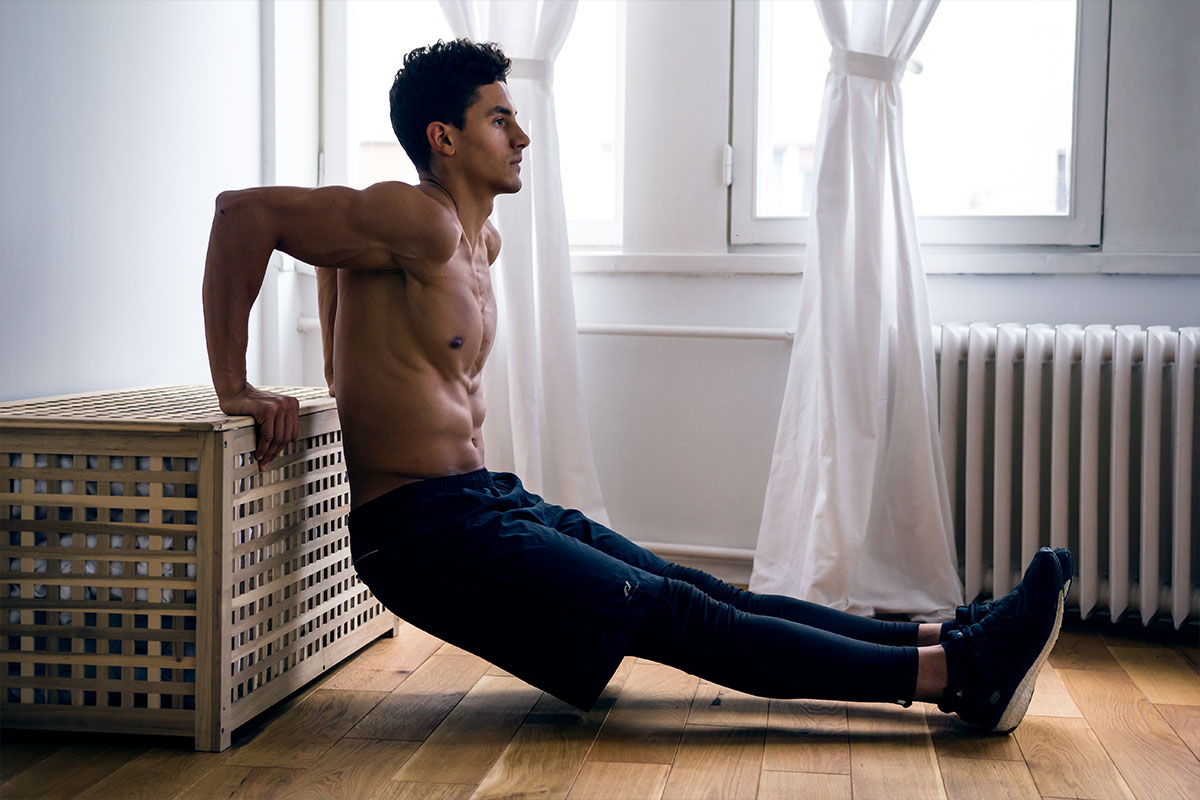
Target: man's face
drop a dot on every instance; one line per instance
(493, 141)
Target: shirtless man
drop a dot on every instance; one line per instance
(468, 555)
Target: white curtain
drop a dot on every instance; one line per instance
(857, 514)
(536, 422)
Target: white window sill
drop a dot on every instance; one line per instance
(938, 260)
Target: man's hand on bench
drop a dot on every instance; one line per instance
(276, 416)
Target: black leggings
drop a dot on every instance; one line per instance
(775, 646)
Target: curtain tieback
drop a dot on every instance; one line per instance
(867, 65)
(533, 69)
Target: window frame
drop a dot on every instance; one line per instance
(1080, 227)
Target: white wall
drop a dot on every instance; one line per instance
(1153, 166)
(684, 428)
(119, 123)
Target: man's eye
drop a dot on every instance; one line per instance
(499, 120)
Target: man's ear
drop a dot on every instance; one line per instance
(441, 138)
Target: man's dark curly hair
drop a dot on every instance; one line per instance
(436, 84)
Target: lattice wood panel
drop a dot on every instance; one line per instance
(157, 581)
(163, 407)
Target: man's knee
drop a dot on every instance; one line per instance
(688, 629)
(711, 585)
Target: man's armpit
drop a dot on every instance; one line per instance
(327, 296)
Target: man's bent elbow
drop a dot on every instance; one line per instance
(242, 227)
(229, 201)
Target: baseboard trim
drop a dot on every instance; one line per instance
(730, 564)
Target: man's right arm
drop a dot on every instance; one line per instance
(239, 248)
(383, 227)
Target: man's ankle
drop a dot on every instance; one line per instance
(931, 633)
(932, 674)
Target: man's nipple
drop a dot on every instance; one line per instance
(457, 342)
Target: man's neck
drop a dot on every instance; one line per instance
(472, 209)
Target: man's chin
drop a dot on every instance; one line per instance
(510, 186)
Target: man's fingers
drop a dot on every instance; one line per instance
(293, 420)
(281, 436)
(279, 427)
(271, 433)
(266, 434)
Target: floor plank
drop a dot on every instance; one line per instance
(71, 770)
(803, 786)
(350, 770)
(545, 756)
(716, 705)
(1161, 673)
(417, 790)
(1082, 649)
(987, 779)
(953, 739)
(646, 723)
(19, 755)
(887, 741)
(1191, 654)
(1067, 760)
(422, 701)
(1152, 759)
(1128, 634)
(240, 783)
(154, 775)
(540, 761)
(1185, 721)
(1050, 696)
(406, 646)
(716, 762)
(387, 663)
(300, 737)
(605, 780)
(807, 736)
(473, 736)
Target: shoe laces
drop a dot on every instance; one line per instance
(1005, 607)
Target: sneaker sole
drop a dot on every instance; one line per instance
(1014, 712)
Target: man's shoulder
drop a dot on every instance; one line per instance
(431, 227)
(401, 196)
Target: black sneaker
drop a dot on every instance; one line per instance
(975, 612)
(993, 664)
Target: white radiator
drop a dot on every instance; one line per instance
(1076, 437)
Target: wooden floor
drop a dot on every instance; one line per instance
(1114, 716)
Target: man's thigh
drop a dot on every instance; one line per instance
(574, 560)
(578, 526)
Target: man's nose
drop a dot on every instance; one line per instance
(521, 140)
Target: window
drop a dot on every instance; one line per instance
(365, 42)
(379, 35)
(1003, 121)
(589, 96)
